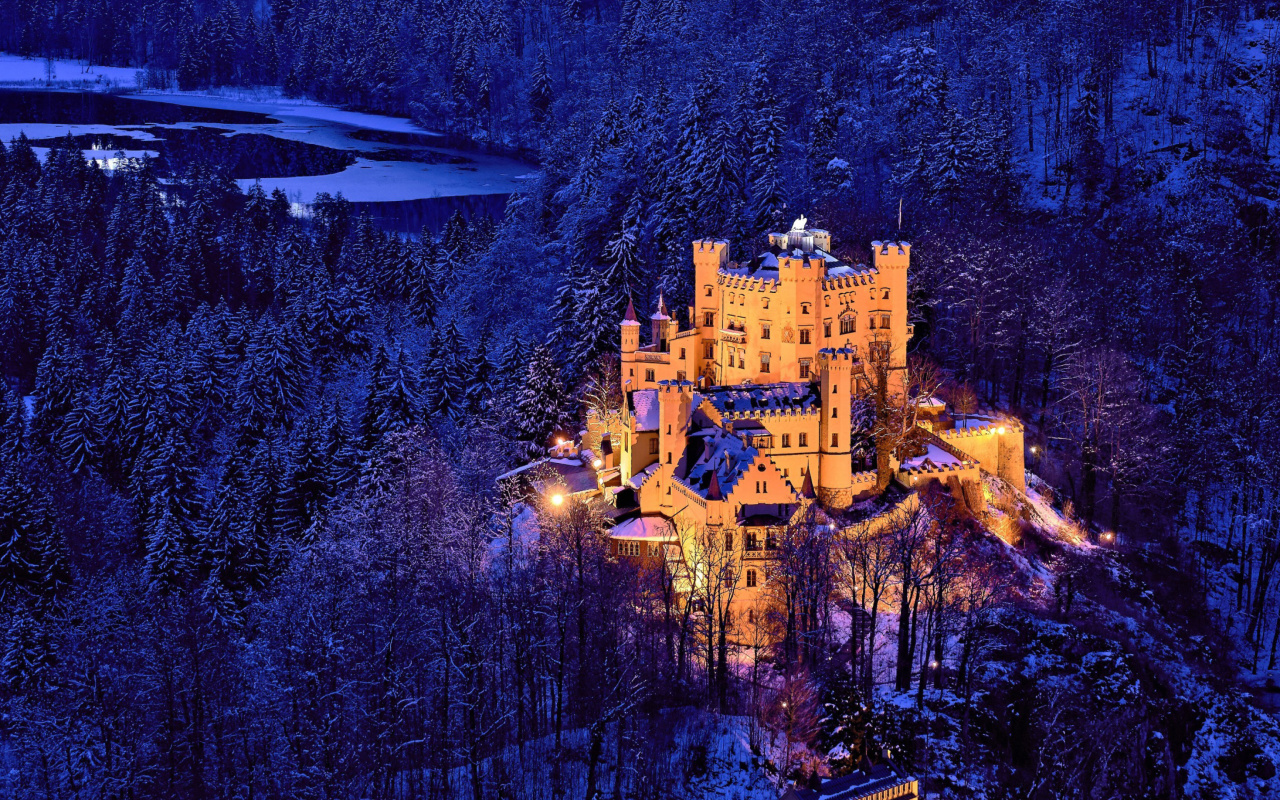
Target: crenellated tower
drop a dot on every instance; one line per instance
(835, 377)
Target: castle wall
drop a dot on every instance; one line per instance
(1001, 454)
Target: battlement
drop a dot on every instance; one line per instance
(890, 255)
(833, 356)
(680, 387)
(763, 413)
(996, 427)
(863, 277)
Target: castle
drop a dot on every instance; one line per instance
(745, 421)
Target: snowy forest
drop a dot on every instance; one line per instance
(251, 543)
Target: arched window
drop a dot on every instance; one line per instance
(804, 308)
(708, 290)
(751, 582)
(848, 323)
(764, 303)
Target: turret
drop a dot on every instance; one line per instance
(835, 468)
(660, 321)
(630, 327)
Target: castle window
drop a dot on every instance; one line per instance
(884, 320)
(764, 331)
(805, 335)
(682, 354)
(708, 290)
(764, 362)
(804, 440)
(648, 375)
(886, 294)
(848, 324)
(770, 543)
(872, 324)
(728, 581)
(804, 308)
(764, 303)
(751, 582)
(680, 375)
(826, 328)
(786, 440)
(826, 301)
(835, 389)
(709, 318)
(653, 550)
(653, 447)
(835, 412)
(728, 541)
(751, 613)
(751, 542)
(669, 461)
(709, 350)
(804, 368)
(835, 440)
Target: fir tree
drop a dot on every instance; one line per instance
(540, 403)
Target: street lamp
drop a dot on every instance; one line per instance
(557, 499)
(597, 463)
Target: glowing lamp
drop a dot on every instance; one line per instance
(597, 463)
(933, 665)
(560, 442)
(1000, 430)
(557, 499)
(1034, 449)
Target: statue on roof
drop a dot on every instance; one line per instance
(799, 224)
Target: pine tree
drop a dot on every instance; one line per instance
(540, 90)
(479, 376)
(370, 433)
(398, 403)
(540, 403)
(623, 277)
(766, 129)
(441, 387)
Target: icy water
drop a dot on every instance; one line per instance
(406, 180)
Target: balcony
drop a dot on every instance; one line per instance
(734, 334)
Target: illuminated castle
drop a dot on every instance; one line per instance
(745, 421)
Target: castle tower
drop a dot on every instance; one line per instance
(675, 407)
(800, 274)
(661, 321)
(835, 467)
(709, 257)
(891, 260)
(630, 344)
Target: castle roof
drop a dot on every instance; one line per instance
(764, 397)
(714, 460)
(645, 409)
(661, 313)
(630, 317)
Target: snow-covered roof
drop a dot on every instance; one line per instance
(854, 786)
(646, 527)
(933, 455)
(765, 397)
(645, 409)
(721, 453)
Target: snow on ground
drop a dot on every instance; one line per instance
(388, 181)
(689, 754)
(35, 73)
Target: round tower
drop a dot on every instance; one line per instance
(630, 327)
(835, 466)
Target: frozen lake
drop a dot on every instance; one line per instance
(402, 174)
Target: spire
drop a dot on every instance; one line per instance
(806, 490)
(661, 313)
(713, 489)
(630, 317)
